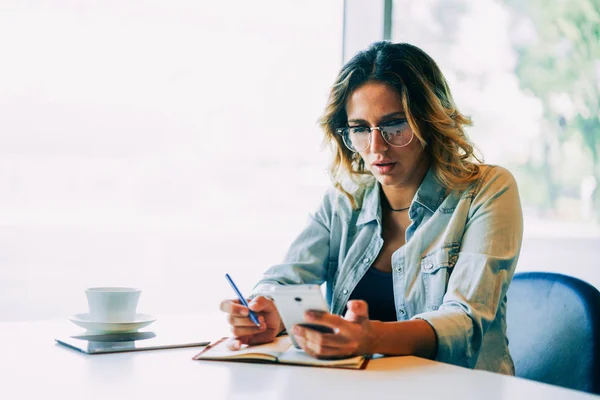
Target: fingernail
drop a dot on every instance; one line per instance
(315, 314)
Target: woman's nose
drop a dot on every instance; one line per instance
(378, 143)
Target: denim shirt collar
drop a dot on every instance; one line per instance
(371, 205)
(429, 195)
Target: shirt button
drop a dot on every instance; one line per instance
(366, 260)
(398, 269)
(345, 291)
(401, 311)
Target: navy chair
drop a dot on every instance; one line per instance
(553, 328)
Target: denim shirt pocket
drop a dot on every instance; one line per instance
(436, 268)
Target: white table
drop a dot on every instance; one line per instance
(32, 366)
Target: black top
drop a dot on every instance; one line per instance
(376, 288)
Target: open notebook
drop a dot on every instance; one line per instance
(281, 351)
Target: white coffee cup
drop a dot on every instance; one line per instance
(112, 304)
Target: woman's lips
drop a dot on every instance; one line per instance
(384, 168)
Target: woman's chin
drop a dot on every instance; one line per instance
(387, 180)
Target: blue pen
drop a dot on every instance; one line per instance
(252, 316)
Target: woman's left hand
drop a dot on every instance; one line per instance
(353, 334)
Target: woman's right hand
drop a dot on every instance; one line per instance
(244, 330)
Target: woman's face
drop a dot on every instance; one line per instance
(377, 104)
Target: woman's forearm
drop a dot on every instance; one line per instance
(415, 337)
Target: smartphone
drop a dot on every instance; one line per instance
(292, 301)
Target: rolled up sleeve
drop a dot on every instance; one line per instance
(484, 268)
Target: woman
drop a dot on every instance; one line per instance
(417, 242)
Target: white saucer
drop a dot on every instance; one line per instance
(83, 320)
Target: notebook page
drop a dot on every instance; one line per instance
(297, 356)
(273, 349)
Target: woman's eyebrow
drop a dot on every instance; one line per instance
(384, 118)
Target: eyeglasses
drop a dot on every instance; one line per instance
(396, 133)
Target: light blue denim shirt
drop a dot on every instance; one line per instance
(453, 272)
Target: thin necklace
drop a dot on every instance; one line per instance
(389, 207)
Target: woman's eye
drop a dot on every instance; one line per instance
(357, 129)
(396, 123)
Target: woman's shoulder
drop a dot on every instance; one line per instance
(492, 179)
(493, 172)
(348, 198)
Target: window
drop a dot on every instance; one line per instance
(528, 73)
(157, 145)
(162, 144)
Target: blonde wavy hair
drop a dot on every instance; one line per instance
(429, 108)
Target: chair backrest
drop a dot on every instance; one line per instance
(553, 328)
